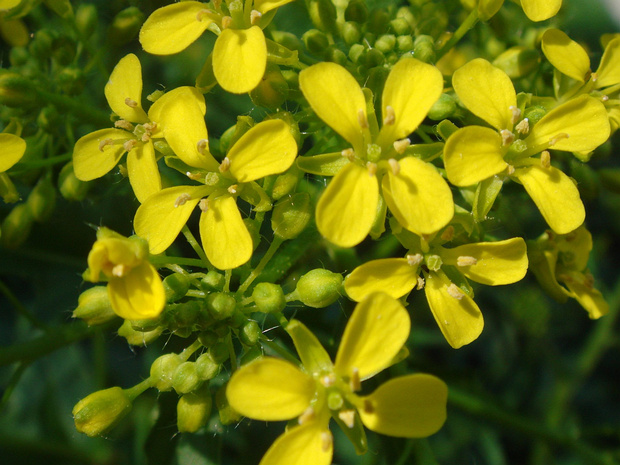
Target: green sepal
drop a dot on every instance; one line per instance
(179, 165)
(485, 196)
(254, 194)
(356, 434)
(371, 116)
(445, 129)
(378, 227)
(464, 218)
(280, 55)
(313, 356)
(425, 152)
(327, 164)
(409, 240)
(205, 81)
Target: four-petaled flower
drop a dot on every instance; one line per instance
(272, 389)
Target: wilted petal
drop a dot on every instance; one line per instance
(92, 158)
(123, 90)
(555, 195)
(270, 389)
(539, 10)
(139, 294)
(12, 150)
(143, 172)
(412, 406)
(240, 59)
(376, 331)
(307, 444)
(394, 276)
(588, 297)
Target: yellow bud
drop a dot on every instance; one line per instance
(100, 411)
(194, 410)
(319, 288)
(94, 306)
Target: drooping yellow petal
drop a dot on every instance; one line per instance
(12, 149)
(143, 172)
(267, 5)
(456, 314)
(336, 98)
(376, 331)
(347, 208)
(225, 238)
(555, 195)
(123, 90)
(267, 148)
(608, 72)
(588, 297)
(411, 89)
(495, 263)
(307, 444)
(584, 119)
(418, 197)
(412, 406)
(394, 276)
(174, 27)
(240, 59)
(270, 389)
(185, 131)
(539, 10)
(566, 55)
(486, 91)
(92, 157)
(161, 217)
(473, 154)
(139, 294)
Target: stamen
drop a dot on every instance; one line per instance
(225, 165)
(511, 170)
(466, 260)
(146, 137)
(420, 284)
(361, 119)
(203, 205)
(414, 260)
(558, 138)
(390, 116)
(447, 234)
(327, 441)
(255, 16)
(372, 168)
(394, 165)
(104, 143)
(226, 22)
(604, 98)
(516, 114)
(202, 146)
(123, 124)
(455, 291)
(150, 127)
(594, 77)
(507, 137)
(328, 380)
(130, 144)
(306, 416)
(545, 159)
(203, 14)
(131, 103)
(233, 189)
(401, 145)
(348, 153)
(355, 383)
(120, 270)
(181, 199)
(193, 176)
(347, 417)
(523, 127)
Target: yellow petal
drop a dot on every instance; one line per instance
(608, 72)
(418, 197)
(488, 8)
(6, 4)
(456, 314)
(161, 217)
(157, 109)
(566, 55)
(123, 90)
(486, 91)
(267, 148)
(174, 27)
(501, 262)
(336, 98)
(267, 5)
(412, 406)
(143, 172)
(584, 119)
(240, 59)
(270, 389)
(90, 162)
(138, 295)
(12, 149)
(394, 276)
(473, 154)
(307, 444)
(555, 195)
(411, 89)
(377, 329)
(539, 10)
(346, 210)
(225, 238)
(588, 297)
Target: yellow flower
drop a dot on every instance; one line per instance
(272, 389)
(475, 153)
(12, 149)
(535, 10)
(445, 283)
(97, 153)
(135, 289)
(414, 191)
(240, 51)
(267, 148)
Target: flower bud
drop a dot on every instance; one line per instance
(518, 61)
(443, 108)
(16, 226)
(351, 33)
(269, 298)
(286, 183)
(335, 55)
(70, 187)
(219, 352)
(194, 410)
(100, 411)
(86, 19)
(221, 305)
(534, 114)
(315, 41)
(272, 90)
(18, 56)
(319, 288)
(206, 367)
(249, 333)
(94, 306)
(356, 11)
(42, 43)
(213, 281)
(185, 378)
(378, 21)
(64, 50)
(287, 39)
(71, 80)
(135, 337)
(386, 43)
(323, 15)
(42, 200)
(400, 26)
(163, 369)
(15, 91)
(357, 52)
(424, 48)
(176, 286)
(125, 26)
(372, 58)
(291, 215)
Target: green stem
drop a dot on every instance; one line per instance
(34, 321)
(163, 260)
(15, 377)
(197, 248)
(273, 247)
(281, 351)
(138, 389)
(80, 109)
(463, 29)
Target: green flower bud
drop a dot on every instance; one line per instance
(194, 410)
(424, 48)
(400, 26)
(518, 61)
(125, 26)
(319, 288)
(272, 90)
(249, 333)
(163, 369)
(373, 58)
(8, 192)
(534, 114)
(356, 11)
(71, 80)
(213, 281)
(176, 286)
(15, 91)
(291, 215)
(219, 352)
(386, 43)
(16, 226)
(286, 183)
(378, 21)
(100, 411)
(269, 298)
(206, 367)
(443, 108)
(323, 15)
(94, 306)
(186, 314)
(315, 41)
(86, 19)
(221, 305)
(18, 56)
(335, 55)
(205, 81)
(136, 337)
(351, 33)
(227, 414)
(185, 378)
(64, 50)
(356, 53)
(42, 200)
(287, 39)
(42, 43)
(70, 187)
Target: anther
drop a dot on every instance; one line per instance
(123, 124)
(202, 146)
(130, 144)
(226, 22)
(232, 189)
(202, 14)
(372, 168)
(355, 383)
(361, 119)
(604, 98)
(203, 205)
(523, 127)
(328, 380)
(150, 127)
(347, 417)
(420, 284)
(401, 145)
(306, 416)
(465, 260)
(146, 137)
(448, 234)
(131, 103)
(507, 137)
(454, 291)
(558, 138)
(181, 199)
(516, 113)
(414, 259)
(390, 116)
(394, 166)
(120, 270)
(545, 159)
(511, 170)
(327, 441)
(255, 16)
(104, 143)
(348, 153)
(594, 77)
(193, 176)
(225, 165)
